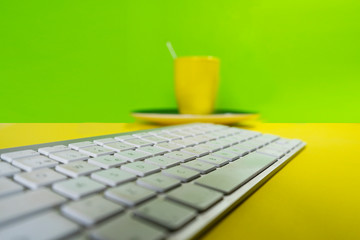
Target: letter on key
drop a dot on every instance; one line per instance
(39, 178)
(78, 187)
(76, 169)
(140, 168)
(181, 173)
(32, 163)
(113, 176)
(68, 156)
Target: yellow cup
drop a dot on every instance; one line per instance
(196, 84)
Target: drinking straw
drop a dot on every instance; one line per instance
(171, 50)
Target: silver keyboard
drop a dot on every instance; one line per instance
(165, 183)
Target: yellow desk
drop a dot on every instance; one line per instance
(316, 196)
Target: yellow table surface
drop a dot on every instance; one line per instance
(316, 196)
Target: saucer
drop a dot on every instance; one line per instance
(172, 116)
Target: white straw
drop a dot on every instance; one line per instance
(171, 50)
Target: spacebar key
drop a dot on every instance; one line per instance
(230, 177)
(23, 204)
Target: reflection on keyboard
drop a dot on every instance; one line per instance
(153, 184)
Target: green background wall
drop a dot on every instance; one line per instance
(96, 61)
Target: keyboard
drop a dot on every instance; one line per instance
(166, 183)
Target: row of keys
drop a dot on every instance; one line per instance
(79, 168)
(64, 154)
(113, 177)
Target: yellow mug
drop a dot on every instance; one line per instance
(196, 84)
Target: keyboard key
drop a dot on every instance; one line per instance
(199, 139)
(104, 141)
(238, 151)
(7, 170)
(119, 146)
(163, 162)
(140, 168)
(96, 151)
(124, 137)
(141, 134)
(261, 142)
(158, 182)
(268, 150)
(78, 187)
(79, 145)
(198, 151)
(36, 162)
(267, 138)
(91, 210)
(230, 131)
(251, 145)
(128, 228)
(132, 155)
(241, 138)
(248, 133)
(138, 142)
(199, 166)
(228, 155)
(68, 156)
(113, 176)
(129, 194)
(165, 213)
(214, 135)
(39, 178)
(23, 204)
(181, 156)
(169, 146)
(286, 146)
(107, 161)
(184, 143)
(8, 187)
(222, 143)
(181, 134)
(76, 169)
(153, 151)
(232, 140)
(211, 147)
(230, 177)
(155, 139)
(168, 136)
(193, 131)
(195, 196)
(181, 173)
(282, 141)
(11, 156)
(47, 225)
(217, 161)
(47, 150)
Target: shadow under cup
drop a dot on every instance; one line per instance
(196, 84)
